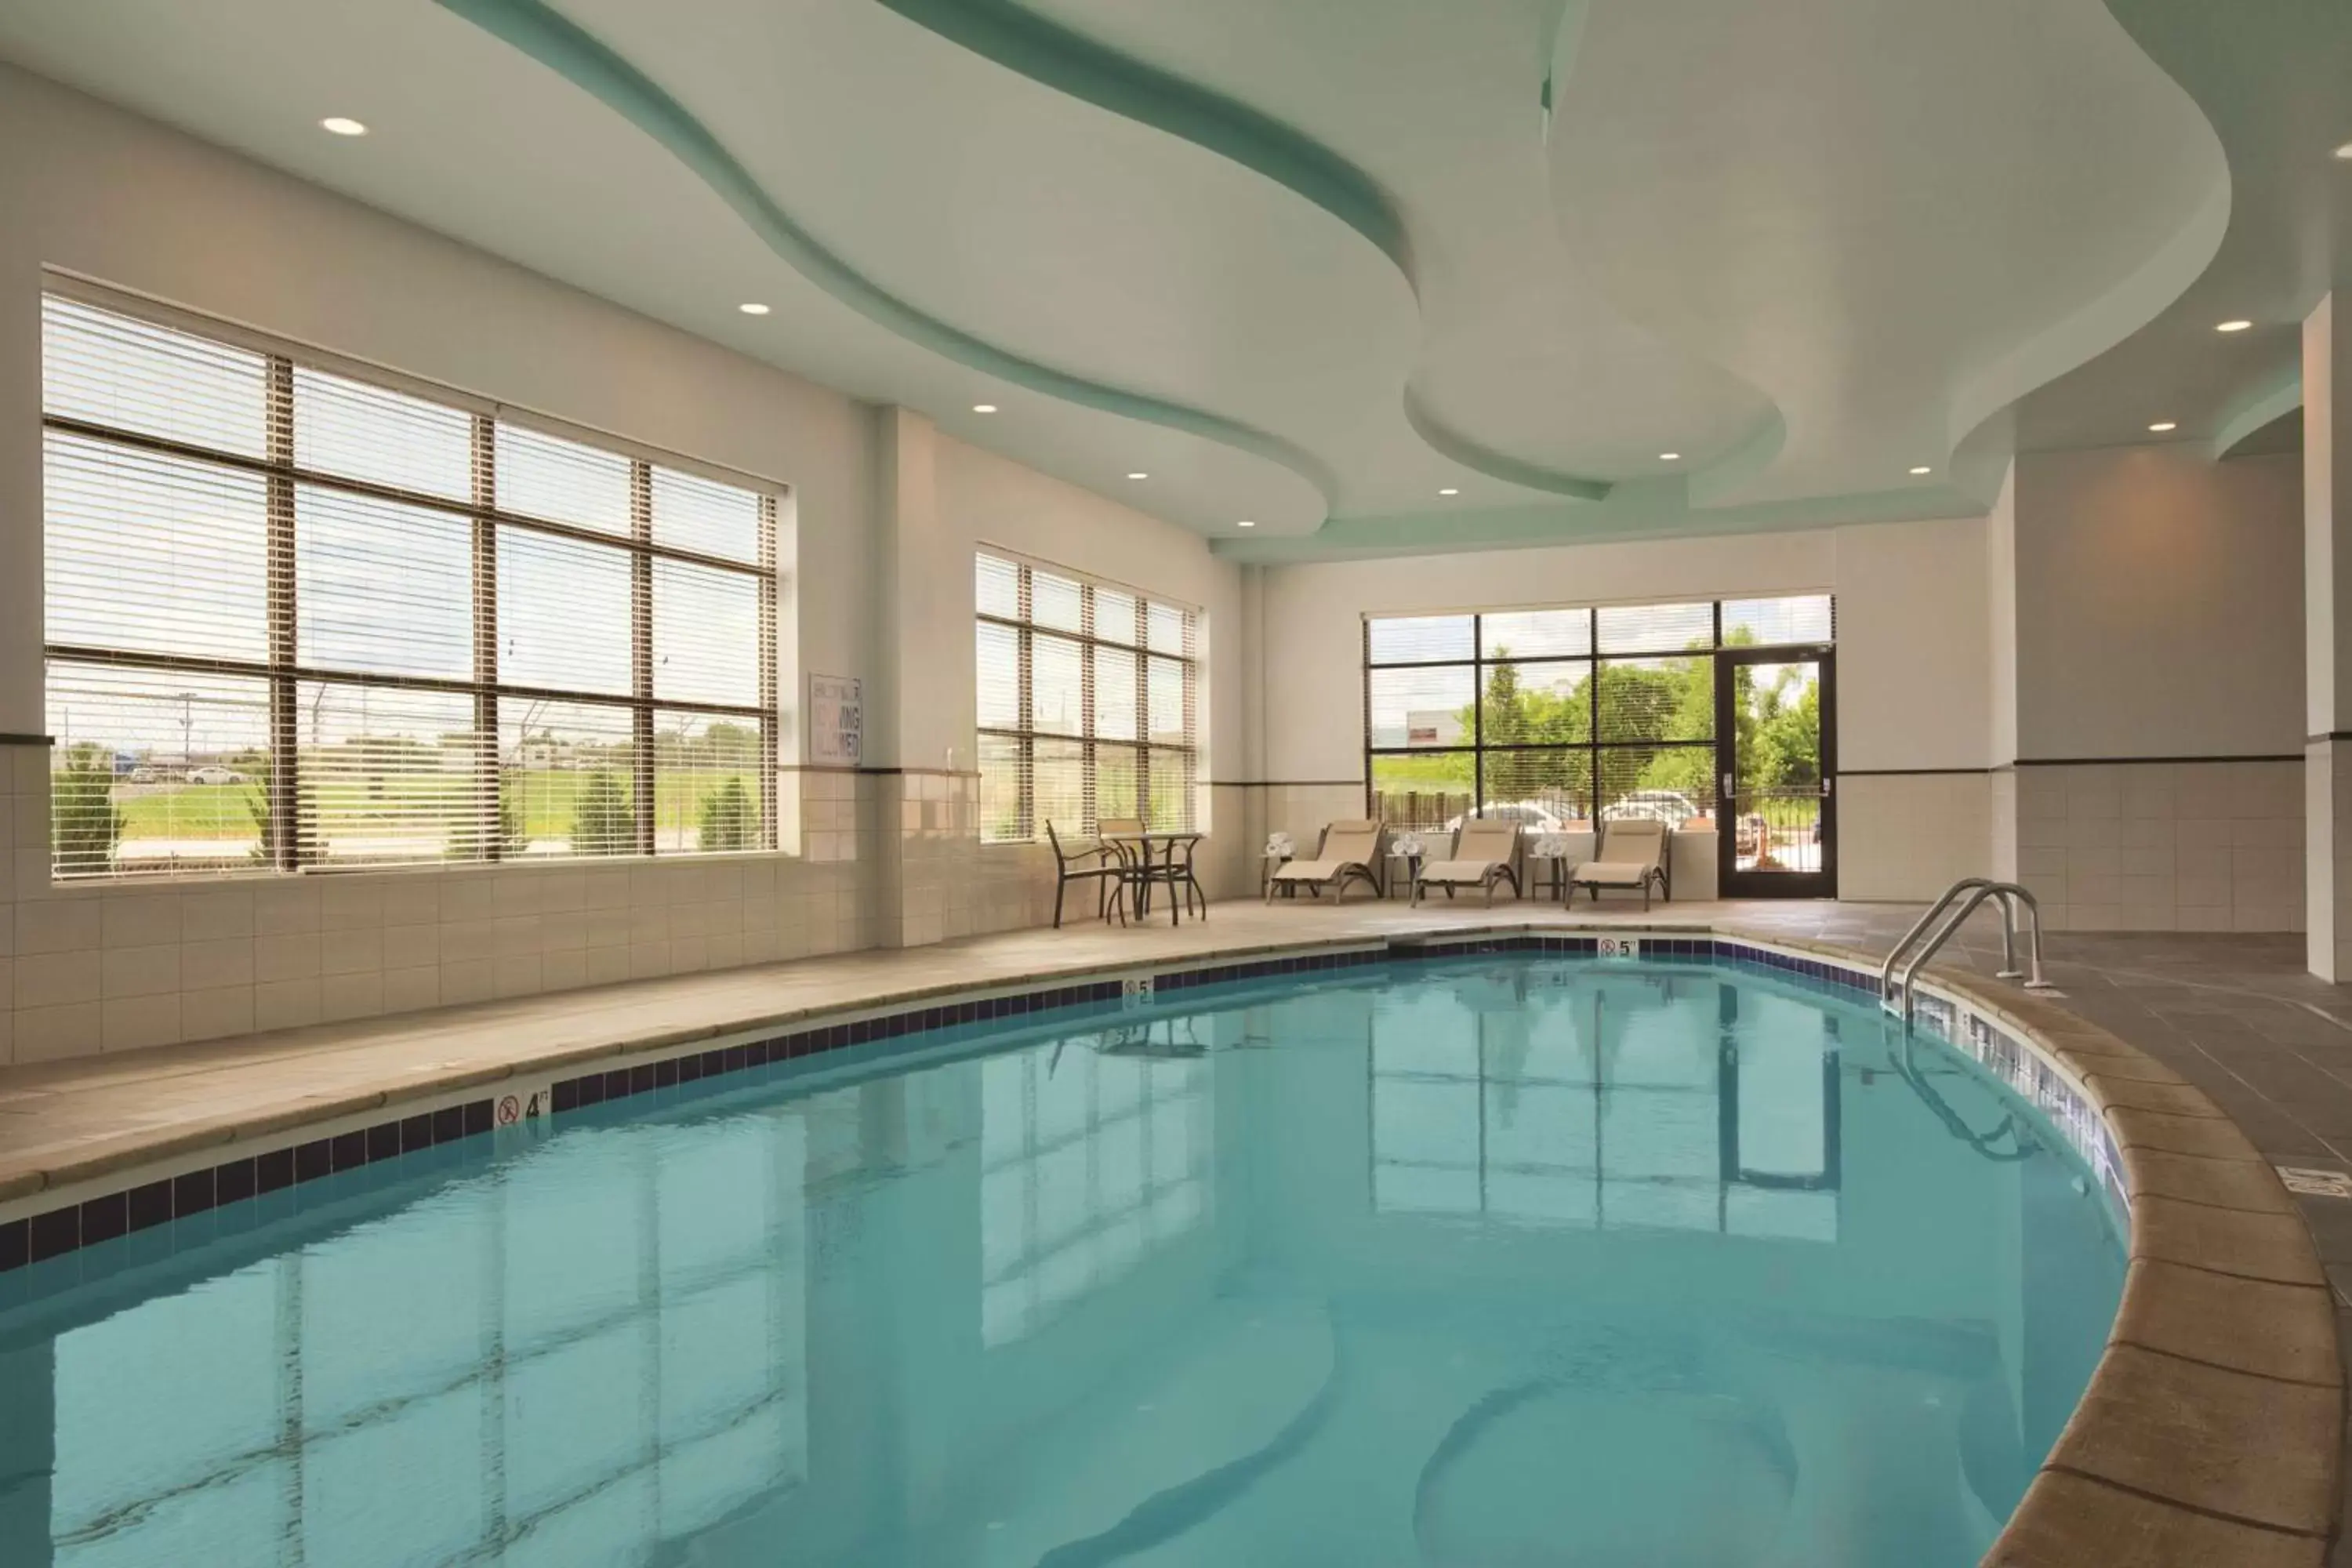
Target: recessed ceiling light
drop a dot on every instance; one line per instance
(1916, 472)
(1670, 456)
(338, 125)
(2234, 326)
(752, 308)
(1246, 522)
(1139, 476)
(2162, 425)
(983, 408)
(2343, 153)
(1449, 491)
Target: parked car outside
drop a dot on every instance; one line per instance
(1667, 806)
(1532, 815)
(210, 774)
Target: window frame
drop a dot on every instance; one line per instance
(1480, 665)
(1025, 734)
(286, 846)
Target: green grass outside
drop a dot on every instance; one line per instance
(227, 811)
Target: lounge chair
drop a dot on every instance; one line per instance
(1345, 853)
(1483, 854)
(1631, 854)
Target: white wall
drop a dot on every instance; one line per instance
(991, 499)
(1913, 629)
(880, 585)
(2159, 604)
(2159, 614)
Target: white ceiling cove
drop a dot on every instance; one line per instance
(1315, 262)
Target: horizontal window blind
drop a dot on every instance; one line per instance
(1088, 700)
(299, 619)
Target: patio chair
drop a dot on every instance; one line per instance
(1345, 853)
(1631, 854)
(1088, 860)
(1484, 852)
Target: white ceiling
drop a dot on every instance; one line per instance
(1310, 262)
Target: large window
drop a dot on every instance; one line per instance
(301, 617)
(1551, 716)
(1088, 696)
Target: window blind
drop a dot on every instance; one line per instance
(1088, 700)
(298, 619)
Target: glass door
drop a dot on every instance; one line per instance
(1776, 751)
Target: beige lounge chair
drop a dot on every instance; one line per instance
(1631, 854)
(1483, 854)
(1347, 852)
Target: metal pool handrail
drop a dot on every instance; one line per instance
(1947, 915)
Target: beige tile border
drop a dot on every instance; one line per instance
(2212, 1431)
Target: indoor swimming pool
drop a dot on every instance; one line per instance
(1490, 1259)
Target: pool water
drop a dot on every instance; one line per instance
(1479, 1261)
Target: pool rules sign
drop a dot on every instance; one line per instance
(837, 720)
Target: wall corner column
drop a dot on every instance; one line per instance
(2327, 647)
(921, 781)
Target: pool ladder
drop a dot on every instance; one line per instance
(1931, 931)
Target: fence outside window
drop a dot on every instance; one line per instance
(304, 615)
(1552, 716)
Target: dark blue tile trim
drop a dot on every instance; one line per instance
(45, 1236)
(151, 1203)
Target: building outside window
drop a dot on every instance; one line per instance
(1553, 716)
(306, 615)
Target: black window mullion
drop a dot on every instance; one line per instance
(282, 831)
(1478, 716)
(1024, 696)
(489, 781)
(640, 674)
(770, 807)
(1141, 630)
(1089, 781)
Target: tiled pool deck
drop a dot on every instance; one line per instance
(2234, 1017)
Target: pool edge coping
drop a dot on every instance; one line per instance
(2211, 1429)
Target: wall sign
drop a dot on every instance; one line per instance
(836, 710)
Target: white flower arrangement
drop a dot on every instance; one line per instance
(1409, 845)
(1278, 846)
(1549, 846)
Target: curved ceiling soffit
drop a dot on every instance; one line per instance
(1723, 476)
(2256, 412)
(2135, 299)
(563, 46)
(1981, 425)
(1035, 47)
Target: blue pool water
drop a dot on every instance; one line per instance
(1481, 1261)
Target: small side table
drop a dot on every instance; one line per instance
(1411, 872)
(1548, 875)
(1267, 866)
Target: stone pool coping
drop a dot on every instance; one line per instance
(2211, 1430)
